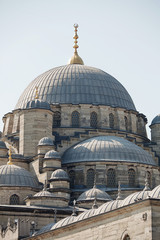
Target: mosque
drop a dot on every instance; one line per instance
(76, 162)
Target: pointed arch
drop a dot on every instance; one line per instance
(75, 119)
(111, 120)
(14, 200)
(57, 119)
(93, 119)
(111, 178)
(90, 178)
(131, 177)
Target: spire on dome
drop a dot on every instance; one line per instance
(76, 59)
(119, 196)
(10, 157)
(37, 95)
(146, 188)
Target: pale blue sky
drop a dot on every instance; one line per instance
(121, 37)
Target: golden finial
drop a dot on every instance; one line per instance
(10, 157)
(76, 59)
(37, 96)
(75, 37)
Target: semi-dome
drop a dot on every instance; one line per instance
(59, 174)
(156, 120)
(90, 194)
(52, 154)
(107, 149)
(77, 84)
(37, 103)
(12, 175)
(45, 141)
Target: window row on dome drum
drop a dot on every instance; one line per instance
(75, 120)
(111, 178)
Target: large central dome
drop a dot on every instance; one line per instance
(77, 84)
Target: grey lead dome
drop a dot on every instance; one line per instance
(77, 84)
(12, 175)
(107, 149)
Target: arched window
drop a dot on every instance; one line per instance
(131, 177)
(127, 237)
(90, 178)
(72, 178)
(149, 179)
(93, 119)
(14, 200)
(111, 120)
(126, 123)
(111, 178)
(57, 119)
(75, 119)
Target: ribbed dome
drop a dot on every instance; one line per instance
(45, 141)
(52, 154)
(44, 193)
(37, 103)
(155, 193)
(136, 197)
(59, 174)
(91, 193)
(44, 229)
(12, 175)
(2, 145)
(64, 222)
(77, 84)
(106, 149)
(156, 120)
(106, 207)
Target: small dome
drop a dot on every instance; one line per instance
(12, 175)
(2, 145)
(155, 193)
(46, 141)
(134, 197)
(156, 120)
(59, 174)
(44, 193)
(86, 214)
(37, 103)
(107, 149)
(91, 193)
(64, 222)
(44, 229)
(52, 154)
(106, 207)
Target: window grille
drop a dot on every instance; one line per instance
(111, 178)
(131, 177)
(90, 178)
(126, 123)
(57, 119)
(111, 120)
(14, 200)
(72, 178)
(75, 119)
(93, 119)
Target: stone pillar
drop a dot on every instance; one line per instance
(34, 124)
